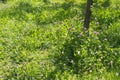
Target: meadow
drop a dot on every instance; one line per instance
(45, 40)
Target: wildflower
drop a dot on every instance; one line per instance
(101, 57)
(90, 71)
(95, 32)
(78, 52)
(72, 29)
(64, 64)
(105, 39)
(117, 74)
(97, 23)
(95, 18)
(62, 52)
(43, 63)
(81, 34)
(75, 18)
(99, 46)
(71, 61)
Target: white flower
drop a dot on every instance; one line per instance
(71, 61)
(62, 52)
(117, 74)
(90, 71)
(78, 52)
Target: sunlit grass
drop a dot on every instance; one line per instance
(37, 39)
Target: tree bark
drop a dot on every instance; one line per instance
(88, 14)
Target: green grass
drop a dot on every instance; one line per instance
(44, 40)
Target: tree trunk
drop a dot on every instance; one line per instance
(88, 14)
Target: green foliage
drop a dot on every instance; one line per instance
(44, 40)
(90, 51)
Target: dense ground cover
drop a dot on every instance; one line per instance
(45, 40)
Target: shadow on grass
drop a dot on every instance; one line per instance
(45, 13)
(59, 12)
(86, 54)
